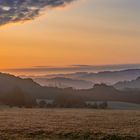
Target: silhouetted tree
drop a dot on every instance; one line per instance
(69, 101)
(95, 105)
(103, 105)
(42, 104)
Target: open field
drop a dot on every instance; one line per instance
(54, 124)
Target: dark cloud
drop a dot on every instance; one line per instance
(22, 10)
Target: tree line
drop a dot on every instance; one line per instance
(18, 98)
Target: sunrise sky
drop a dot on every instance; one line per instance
(84, 32)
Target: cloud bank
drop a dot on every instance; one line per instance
(22, 10)
(74, 68)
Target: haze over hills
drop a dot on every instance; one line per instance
(63, 82)
(32, 91)
(87, 79)
(43, 70)
(132, 84)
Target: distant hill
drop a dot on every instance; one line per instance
(27, 85)
(7, 82)
(102, 92)
(133, 84)
(30, 91)
(62, 82)
(108, 77)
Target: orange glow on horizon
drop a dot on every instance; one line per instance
(70, 36)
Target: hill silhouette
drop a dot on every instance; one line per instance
(133, 84)
(30, 91)
(108, 77)
(62, 82)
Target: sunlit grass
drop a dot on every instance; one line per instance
(55, 124)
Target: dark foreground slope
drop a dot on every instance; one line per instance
(69, 124)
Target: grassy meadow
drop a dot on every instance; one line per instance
(69, 124)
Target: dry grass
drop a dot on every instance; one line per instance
(45, 124)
